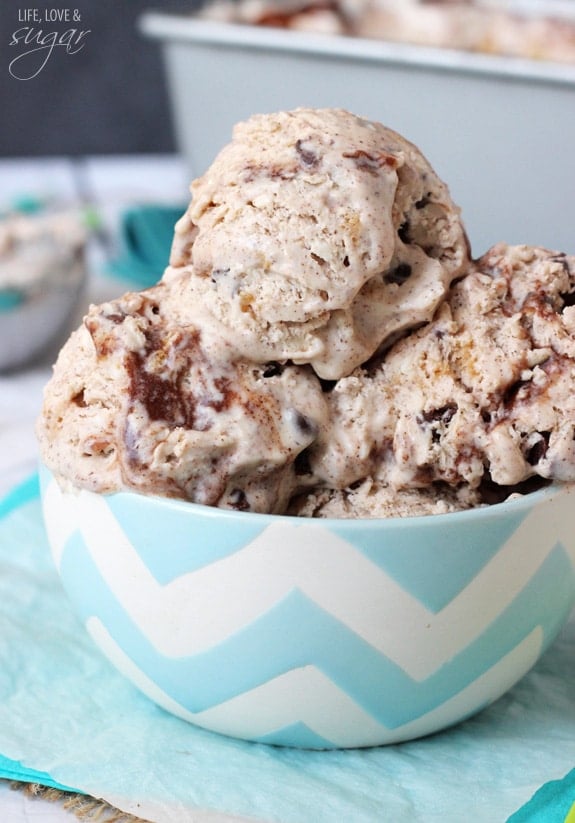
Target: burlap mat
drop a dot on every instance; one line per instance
(84, 807)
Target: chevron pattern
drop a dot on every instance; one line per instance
(316, 633)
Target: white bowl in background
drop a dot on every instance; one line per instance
(43, 274)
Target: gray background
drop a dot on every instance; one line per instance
(109, 98)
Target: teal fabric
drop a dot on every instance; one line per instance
(9, 299)
(550, 804)
(68, 719)
(146, 234)
(14, 770)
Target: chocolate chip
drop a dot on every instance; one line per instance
(327, 385)
(346, 261)
(403, 232)
(561, 258)
(441, 415)
(568, 299)
(511, 392)
(307, 156)
(421, 204)
(115, 317)
(272, 369)
(539, 449)
(302, 464)
(492, 493)
(79, 400)
(399, 274)
(306, 426)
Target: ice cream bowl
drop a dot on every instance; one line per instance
(34, 323)
(316, 633)
(43, 279)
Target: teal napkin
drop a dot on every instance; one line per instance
(68, 719)
(146, 234)
(14, 770)
(553, 801)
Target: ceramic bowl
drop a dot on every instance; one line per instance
(34, 325)
(316, 633)
(43, 275)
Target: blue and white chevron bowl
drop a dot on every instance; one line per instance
(316, 633)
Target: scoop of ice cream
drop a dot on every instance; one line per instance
(485, 391)
(42, 249)
(321, 344)
(138, 402)
(317, 236)
(369, 499)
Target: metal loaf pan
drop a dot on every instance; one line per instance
(499, 131)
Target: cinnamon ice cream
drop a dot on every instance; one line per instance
(321, 343)
(139, 402)
(317, 236)
(535, 31)
(483, 393)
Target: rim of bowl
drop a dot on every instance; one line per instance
(517, 504)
